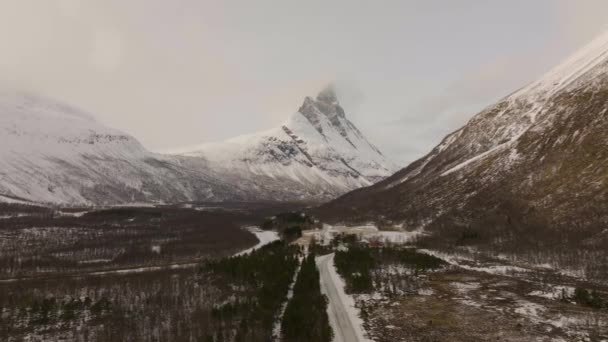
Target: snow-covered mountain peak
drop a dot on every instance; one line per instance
(327, 116)
(326, 104)
(325, 107)
(317, 149)
(328, 95)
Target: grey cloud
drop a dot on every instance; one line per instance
(183, 72)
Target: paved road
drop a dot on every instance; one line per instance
(339, 318)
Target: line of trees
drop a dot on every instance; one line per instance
(290, 225)
(355, 265)
(255, 287)
(389, 269)
(305, 318)
(33, 245)
(588, 298)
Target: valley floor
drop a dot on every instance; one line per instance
(118, 274)
(460, 305)
(463, 300)
(160, 274)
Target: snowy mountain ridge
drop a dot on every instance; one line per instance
(316, 145)
(53, 153)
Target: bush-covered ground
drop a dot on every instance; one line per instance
(60, 242)
(129, 274)
(383, 268)
(408, 294)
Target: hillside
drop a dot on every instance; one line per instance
(531, 168)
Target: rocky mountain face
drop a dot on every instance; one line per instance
(533, 164)
(52, 153)
(316, 154)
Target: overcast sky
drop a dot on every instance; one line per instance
(182, 72)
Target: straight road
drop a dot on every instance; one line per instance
(340, 314)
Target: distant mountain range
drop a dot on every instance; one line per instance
(53, 153)
(537, 159)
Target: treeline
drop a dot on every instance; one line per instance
(52, 311)
(388, 268)
(355, 265)
(117, 238)
(24, 209)
(290, 225)
(149, 306)
(43, 313)
(255, 287)
(588, 298)
(305, 318)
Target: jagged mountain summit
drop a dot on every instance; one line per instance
(317, 153)
(536, 160)
(53, 153)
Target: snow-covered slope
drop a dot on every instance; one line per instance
(316, 153)
(538, 157)
(53, 153)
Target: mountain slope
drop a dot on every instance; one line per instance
(52, 153)
(537, 161)
(318, 153)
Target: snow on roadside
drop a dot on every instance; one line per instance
(264, 236)
(348, 302)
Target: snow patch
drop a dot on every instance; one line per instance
(264, 236)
